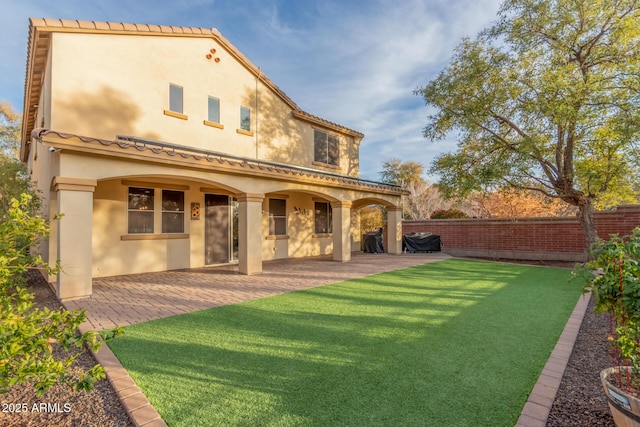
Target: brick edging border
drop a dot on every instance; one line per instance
(135, 403)
(536, 411)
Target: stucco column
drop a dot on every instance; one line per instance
(394, 230)
(75, 204)
(250, 233)
(341, 212)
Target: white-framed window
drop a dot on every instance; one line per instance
(172, 211)
(140, 210)
(323, 218)
(213, 109)
(277, 217)
(175, 98)
(326, 148)
(245, 119)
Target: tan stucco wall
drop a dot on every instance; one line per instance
(301, 240)
(125, 92)
(43, 166)
(114, 256)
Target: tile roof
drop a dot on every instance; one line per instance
(40, 31)
(152, 147)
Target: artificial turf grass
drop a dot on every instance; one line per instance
(457, 342)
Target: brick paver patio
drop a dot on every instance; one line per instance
(124, 300)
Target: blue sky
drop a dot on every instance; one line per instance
(353, 62)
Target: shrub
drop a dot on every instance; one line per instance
(28, 334)
(448, 214)
(613, 277)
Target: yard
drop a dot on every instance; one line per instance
(457, 342)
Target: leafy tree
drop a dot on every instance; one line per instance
(9, 129)
(448, 214)
(397, 172)
(13, 173)
(13, 182)
(372, 218)
(513, 203)
(422, 198)
(28, 335)
(545, 99)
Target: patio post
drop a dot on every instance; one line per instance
(394, 229)
(74, 236)
(250, 233)
(341, 231)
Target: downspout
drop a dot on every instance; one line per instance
(257, 111)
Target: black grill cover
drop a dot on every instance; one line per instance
(373, 242)
(421, 242)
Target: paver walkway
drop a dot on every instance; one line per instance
(136, 298)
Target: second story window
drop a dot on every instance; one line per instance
(214, 110)
(245, 119)
(175, 98)
(326, 148)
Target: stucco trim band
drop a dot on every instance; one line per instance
(148, 184)
(251, 197)
(153, 236)
(73, 184)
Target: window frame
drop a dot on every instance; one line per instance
(275, 220)
(326, 148)
(151, 210)
(157, 211)
(327, 226)
(245, 121)
(165, 213)
(209, 117)
(172, 98)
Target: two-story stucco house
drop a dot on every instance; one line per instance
(165, 148)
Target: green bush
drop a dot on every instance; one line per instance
(28, 335)
(613, 278)
(448, 214)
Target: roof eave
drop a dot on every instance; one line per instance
(303, 115)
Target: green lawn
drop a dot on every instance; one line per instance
(456, 342)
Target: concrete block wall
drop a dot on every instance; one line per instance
(548, 238)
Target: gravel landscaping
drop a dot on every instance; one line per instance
(60, 406)
(580, 400)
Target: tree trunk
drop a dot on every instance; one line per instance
(585, 215)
